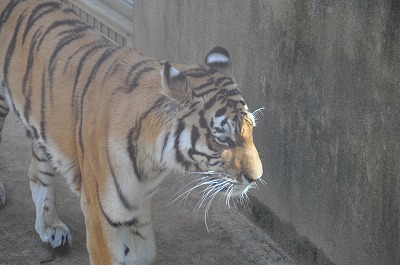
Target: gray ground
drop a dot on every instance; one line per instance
(232, 238)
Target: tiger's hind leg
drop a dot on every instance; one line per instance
(3, 114)
(41, 175)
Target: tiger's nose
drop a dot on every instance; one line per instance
(250, 178)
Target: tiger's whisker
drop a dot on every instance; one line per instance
(258, 111)
(186, 193)
(229, 194)
(263, 182)
(188, 184)
(217, 188)
(195, 174)
(209, 204)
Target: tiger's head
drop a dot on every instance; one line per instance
(213, 130)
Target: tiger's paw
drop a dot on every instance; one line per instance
(56, 236)
(2, 195)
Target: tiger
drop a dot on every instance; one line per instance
(115, 123)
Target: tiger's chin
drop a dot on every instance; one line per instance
(242, 189)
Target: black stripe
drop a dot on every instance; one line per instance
(27, 107)
(193, 151)
(220, 112)
(35, 16)
(49, 174)
(199, 72)
(211, 71)
(40, 181)
(234, 102)
(135, 81)
(35, 132)
(196, 74)
(138, 126)
(223, 122)
(60, 45)
(43, 109)
(221, 97)
(133, 69)
(79, 49)
(124, 201)
(60, 23)
(16, 111)
(112, 69)
(222, 79)
(82, 60)
(178, 154)
(195, 135)
(205, 93)
(126, 251)
(77, 29)
(37, 157)
(202, 120)
(7, 11)
(233, 92)
(30, 59)
(214, 164)
(203, 124)
(103, 58)
(227, 83)
(180, 127)
(131, 222)
(206, 84)
(188, 114)
(53, 58)
(134, 134)
(132, 155)
(236, 120)
(11, 47)
(164, 144)
(210, 103)
(28, 133)
(193, 105)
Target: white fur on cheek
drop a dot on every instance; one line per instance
(185, 140)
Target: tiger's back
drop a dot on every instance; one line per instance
(115, 123)
(45, 69)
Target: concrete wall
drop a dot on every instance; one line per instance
(328, 75)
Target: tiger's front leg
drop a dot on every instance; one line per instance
(49, 227)
(128, 243)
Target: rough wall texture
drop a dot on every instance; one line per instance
(328, 75)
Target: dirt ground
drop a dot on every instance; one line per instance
(180, 237)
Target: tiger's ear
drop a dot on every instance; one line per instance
(175, 85)
(219, 58)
